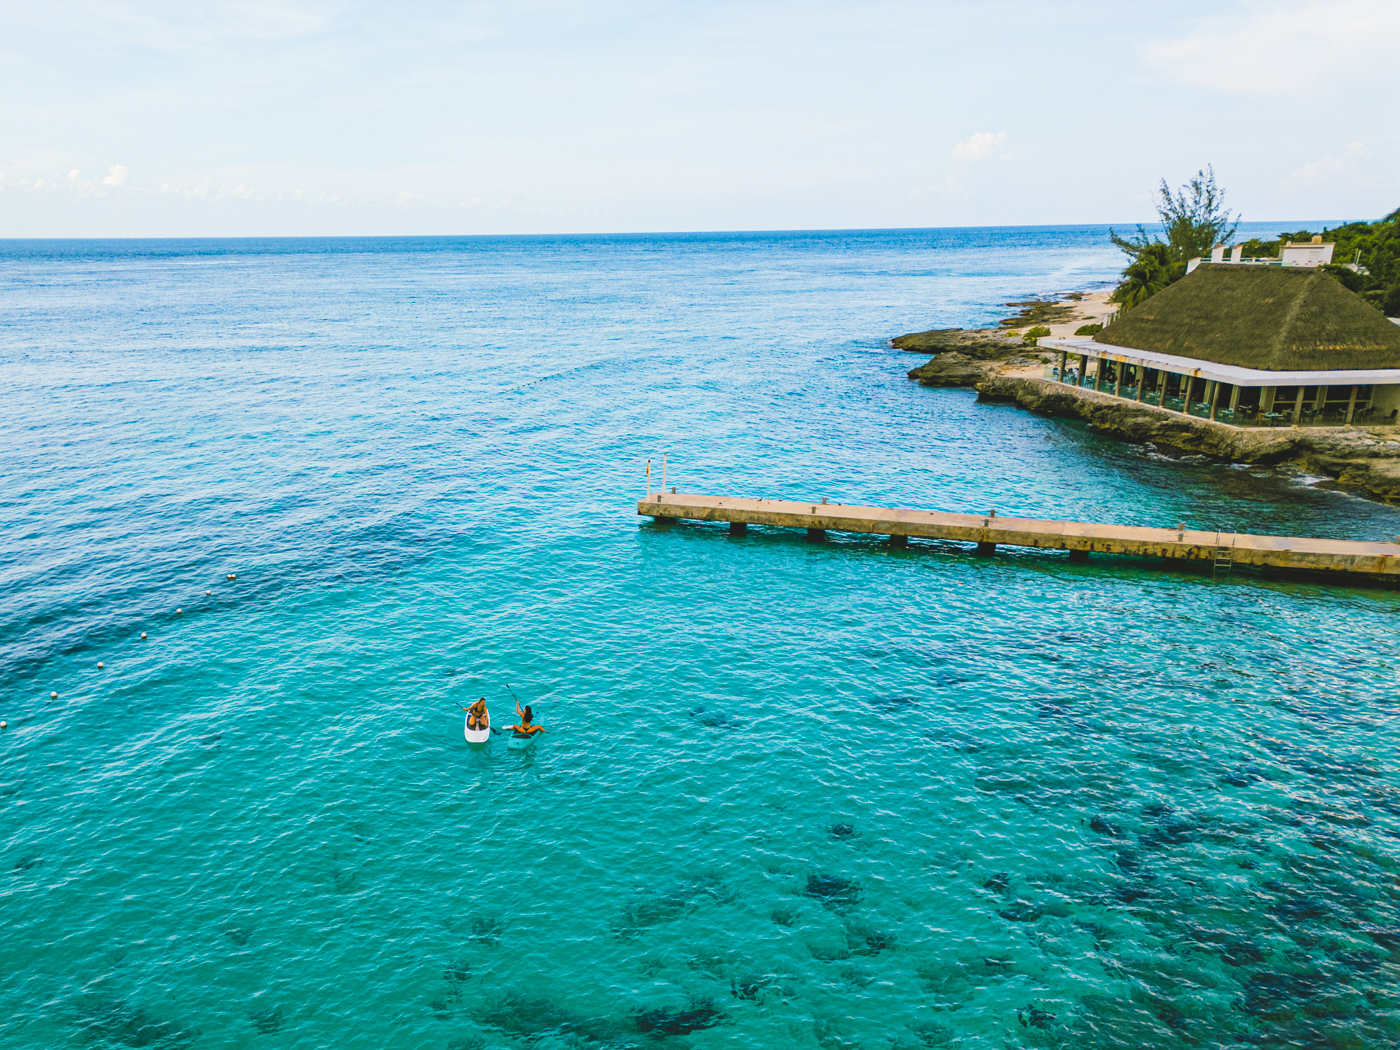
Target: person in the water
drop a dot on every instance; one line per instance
(477, 718)
(527, 726)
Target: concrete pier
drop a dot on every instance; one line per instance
(1220, 550)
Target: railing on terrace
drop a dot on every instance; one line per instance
(1329, 416)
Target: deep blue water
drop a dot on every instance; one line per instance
(804, 796)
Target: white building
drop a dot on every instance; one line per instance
(1293, 253)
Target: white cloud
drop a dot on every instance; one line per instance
(1284, 47)
(116, 175)
(1328, 171)
(980, 146)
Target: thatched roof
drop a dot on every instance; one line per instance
(1275, 318)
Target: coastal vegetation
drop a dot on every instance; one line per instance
(1194, 219)
(1366, 259)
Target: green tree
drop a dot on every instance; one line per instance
(1145, 276)
(1194, 220)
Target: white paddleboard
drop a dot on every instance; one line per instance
(477, 736)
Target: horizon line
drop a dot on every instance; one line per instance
(1324, 225)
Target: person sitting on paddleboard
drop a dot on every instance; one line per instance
(477, 717)
(526, 726)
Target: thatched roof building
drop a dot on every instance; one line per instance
(1277, 319)
(1247, 344)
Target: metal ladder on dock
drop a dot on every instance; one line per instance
(1224, 561)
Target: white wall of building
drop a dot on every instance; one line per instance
(1306, 254)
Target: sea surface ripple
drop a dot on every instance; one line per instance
(790, 794)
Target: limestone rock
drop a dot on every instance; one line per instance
(1357, 459)
(982, 344)
(954, 369)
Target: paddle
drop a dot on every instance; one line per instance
(517, 706)
(518, 703)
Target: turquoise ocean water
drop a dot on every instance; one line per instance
(791, 795)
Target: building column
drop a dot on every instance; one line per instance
(1234, 397)
(1083, 369)
(1214, 399)
(1118, 379)
(1162, 398)
(1298, 407)
(1063, 355)
(1351, 404)
(1321, 398)
(1142, 385)
(1266, 399)
(1098, 373)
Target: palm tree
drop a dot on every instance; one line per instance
(1145, 276)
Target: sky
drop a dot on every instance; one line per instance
(329, 117)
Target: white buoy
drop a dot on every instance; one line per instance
(206, 594)
(4, 725)
(99, 665)
(53, 696)
(179, 610)
(233, 576)
(143, 636)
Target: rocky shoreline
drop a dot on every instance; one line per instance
(1365, 460)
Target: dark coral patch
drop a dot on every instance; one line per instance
(833, 890)
(692, 1018)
